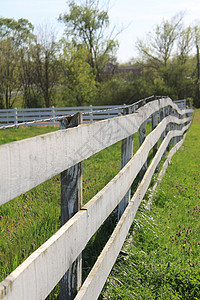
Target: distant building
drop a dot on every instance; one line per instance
(123, 70)
(129, 70)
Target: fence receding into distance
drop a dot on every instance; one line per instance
(27, 163)
(90, 113)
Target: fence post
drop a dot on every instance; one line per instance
(166, 113)
(181, 125)
(15, 116)
(169, 111)
(91, 114)
(154, 125)
(176, 127)
(126, 155)
(162, 115)
(172, 126)
(142, 136)
(53, 115)
(71, 201)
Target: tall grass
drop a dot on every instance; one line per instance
(160, 259)
(30, 219)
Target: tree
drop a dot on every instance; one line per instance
(31, 93)
(166, 54)
(45, 64)
(87, 25)
(185, 44)
(17, 31)
(197, 41)
(78, 80)
(13, 35)
(159, 46)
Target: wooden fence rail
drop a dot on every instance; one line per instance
(27, 163)
(91, 113)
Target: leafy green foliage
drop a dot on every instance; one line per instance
(167, 55)
(17, 31)
(86, 25)
(79, 87)
(13, 36)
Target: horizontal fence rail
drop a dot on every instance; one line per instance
(37, 159)
(27, 163)
(90, 113)
(94, 283)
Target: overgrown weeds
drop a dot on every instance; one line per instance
(163, 245)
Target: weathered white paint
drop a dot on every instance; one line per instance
(173, 127)
(168, 112)
(16, 116)
(37, 276)
(126, 155)
(27, 163)
(95, 281)
(142, 136)
(162, 115)
(71, 202)
(155, 119)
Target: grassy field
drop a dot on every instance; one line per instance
(30, 219)
(162, 250)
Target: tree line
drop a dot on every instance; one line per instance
(81, 68)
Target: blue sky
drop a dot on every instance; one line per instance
(138, 16)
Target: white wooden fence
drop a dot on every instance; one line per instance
(90, 113)
(27, 163)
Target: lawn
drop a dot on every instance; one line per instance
(151, 265)
(29, 220)
(160, 259)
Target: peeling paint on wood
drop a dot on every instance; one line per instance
(126, 155)
(27, 163)
(95, 281)
(71, 202)
(142, 136)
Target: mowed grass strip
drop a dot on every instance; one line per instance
(161, 256)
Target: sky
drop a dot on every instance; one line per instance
(137, 17)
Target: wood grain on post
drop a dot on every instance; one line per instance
(126, 155)
(176, 127)
(142, 136)
(155, 117)
(166, 113)
(154, 125)
(162, 115)
(71, 201)
(172, 127)
(181, 125)
(142, 133)
(168, 127)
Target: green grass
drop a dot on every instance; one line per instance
(15, 134)
(163, 246)
(29, 220)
